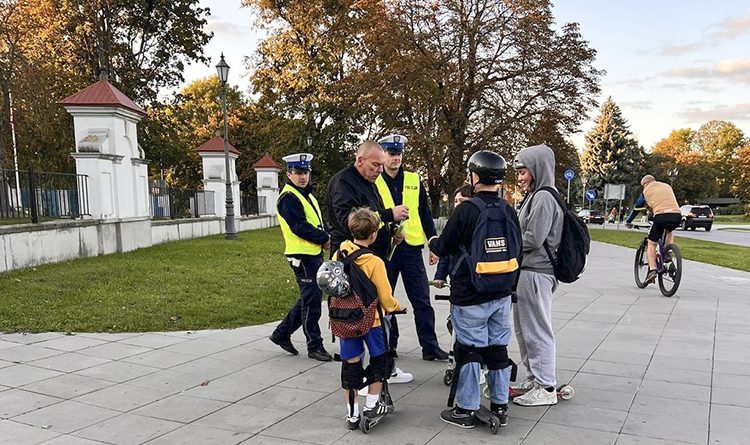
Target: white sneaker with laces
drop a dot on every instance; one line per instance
(537, 396)
(526, 385)
(400, 376)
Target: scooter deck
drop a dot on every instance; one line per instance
(564, 392)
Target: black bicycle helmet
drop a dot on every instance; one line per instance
(489, 166)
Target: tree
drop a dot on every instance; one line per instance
(719, 141)
(741, 173)
(566, 156)
(454, 77)
(697, 174)
(612, 155)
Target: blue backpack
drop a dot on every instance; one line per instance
(494, 259)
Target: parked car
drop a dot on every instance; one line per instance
(592, 216)
(694, 216)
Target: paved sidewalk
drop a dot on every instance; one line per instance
(646, 369)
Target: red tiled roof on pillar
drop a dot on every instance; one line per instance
(266, 162)
(217, 145)
(102, 94)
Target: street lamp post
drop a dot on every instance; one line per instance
(231, 231)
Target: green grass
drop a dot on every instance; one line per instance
(195, 284)
(720, 254)
(732, 219)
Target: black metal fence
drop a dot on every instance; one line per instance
(26, 195)
(252, 204)
(169, 202)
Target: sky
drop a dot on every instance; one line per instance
(670, 64)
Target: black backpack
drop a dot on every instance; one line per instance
(494, 259)
(569, 261)
(352, 315)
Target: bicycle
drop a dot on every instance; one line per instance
(668, 265)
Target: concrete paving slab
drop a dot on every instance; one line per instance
(245, 418)
(117, 371)
(70, 343)
(68, 362)
(128, 429)
(552, 434)
(153, 341)
(24, 354)
(318, 429)
(160, 358)
(228, 389)
(14, 402)
(14, 433)
(122, 397)
(72, 440)
(180, 408)
(67, 386)
(114, 350)
(19, 375)
(201, 435)
(66, 417)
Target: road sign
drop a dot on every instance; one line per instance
(614, 191)
(569, 174)
(591, 195)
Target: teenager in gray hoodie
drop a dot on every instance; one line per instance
(541, 219)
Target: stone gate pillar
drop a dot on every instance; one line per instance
(214, 174)
(267, 171)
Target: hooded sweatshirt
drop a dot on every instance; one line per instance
(540, 215)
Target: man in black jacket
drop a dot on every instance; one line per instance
(481, 321)
(354, 187)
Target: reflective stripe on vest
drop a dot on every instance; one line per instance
(414, 236)
(294, 244)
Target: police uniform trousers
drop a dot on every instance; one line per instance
(306, 311)
(408, 262)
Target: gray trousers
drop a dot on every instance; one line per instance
(532, 320)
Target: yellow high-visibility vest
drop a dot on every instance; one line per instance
(295, 245)
(414, 235)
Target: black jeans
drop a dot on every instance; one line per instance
(306, 311)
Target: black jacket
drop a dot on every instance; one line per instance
(396, 187)
(290, 208)
(348, 190)
(458, 232)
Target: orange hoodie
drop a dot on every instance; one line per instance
(374, 268)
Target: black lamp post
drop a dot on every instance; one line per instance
(231, 231)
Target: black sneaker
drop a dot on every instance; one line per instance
(285, 344)
(437, 354)
(320, 354)
(352, 422)
(502, 414)
(461, 419)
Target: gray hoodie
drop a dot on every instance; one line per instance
(540, 215)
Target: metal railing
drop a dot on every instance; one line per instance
(169, 202)
(26, 195)
(252, 204)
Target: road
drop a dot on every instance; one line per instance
(720, 233)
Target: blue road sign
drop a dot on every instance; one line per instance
(590, 195)
(569, 174)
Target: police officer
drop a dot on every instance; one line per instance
(399, 187)
(304, 238)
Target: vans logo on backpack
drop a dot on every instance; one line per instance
(495, 245)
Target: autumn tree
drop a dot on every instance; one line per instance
(612, 155)
(719, 142)
(741, 173)
(678, 152)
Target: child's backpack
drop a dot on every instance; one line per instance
(569, 261)
(495, 248)
(352, 314)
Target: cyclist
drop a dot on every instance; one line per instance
(660, 198)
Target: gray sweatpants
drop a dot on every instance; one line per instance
(532, 320)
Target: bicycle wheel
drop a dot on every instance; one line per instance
(669, 280)
(640, 267)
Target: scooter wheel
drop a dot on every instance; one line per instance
(486, 391)
(567, 392)
(494, 424)
(364, 425)
(448, 377)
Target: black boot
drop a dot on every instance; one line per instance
(285, 343)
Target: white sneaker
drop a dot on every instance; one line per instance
(526, 385)
(400, 376)
(537, 396)
(364, 391)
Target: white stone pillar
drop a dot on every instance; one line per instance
(214, 179)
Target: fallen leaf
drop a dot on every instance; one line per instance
(46, 427)
(174, 318)
(205, 383)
